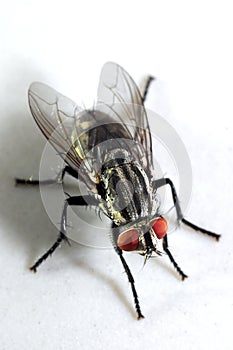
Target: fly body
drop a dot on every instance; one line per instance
(109, 149)
(126, 191)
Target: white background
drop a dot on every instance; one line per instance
(80, 299)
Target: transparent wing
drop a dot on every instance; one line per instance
(57, 116)
(121, 98)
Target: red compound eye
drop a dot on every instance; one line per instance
(160, 227)
(128, 240)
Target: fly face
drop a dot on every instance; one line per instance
(143, 238)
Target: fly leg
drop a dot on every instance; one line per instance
(176, 266)
(131, 281)
(166, 181)
(147, 85)
(59, 178)
(72, 201)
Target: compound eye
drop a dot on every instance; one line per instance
(128, 240)
(160, 227)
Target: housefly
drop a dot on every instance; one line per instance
(109, 149)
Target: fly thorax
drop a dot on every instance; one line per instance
(126, 191)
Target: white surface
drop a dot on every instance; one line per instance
(80, 299)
